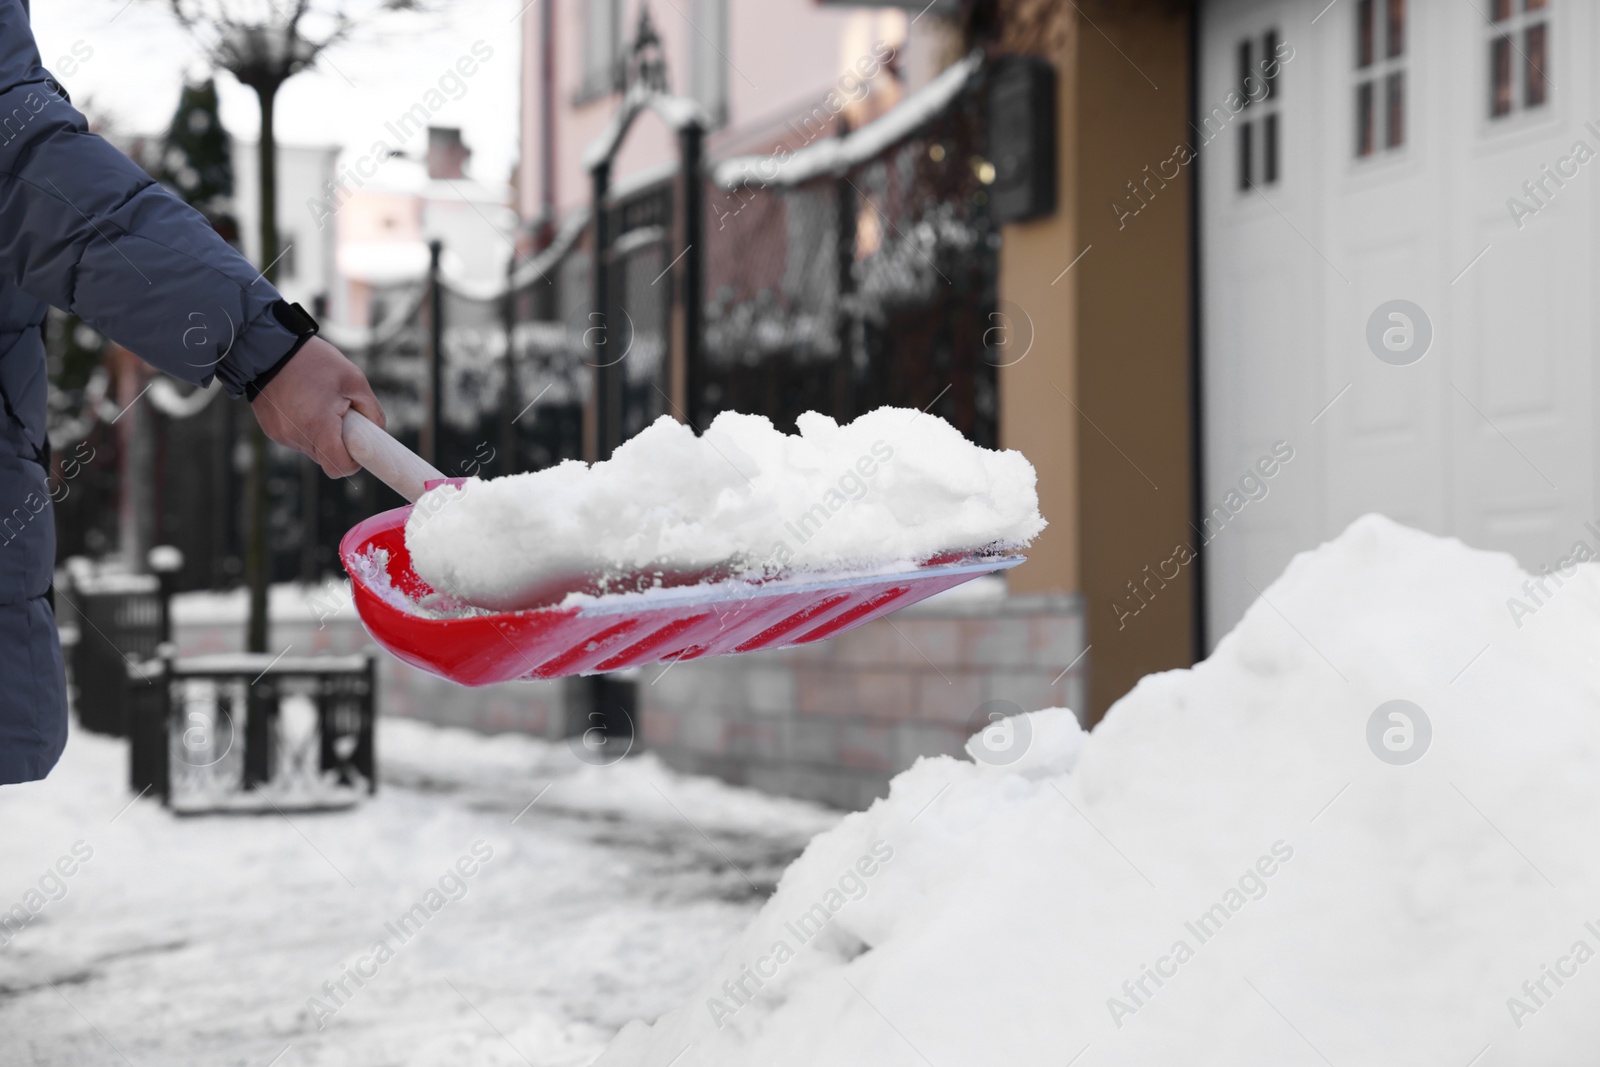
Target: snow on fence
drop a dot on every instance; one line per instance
(248, 731)
(859, 270)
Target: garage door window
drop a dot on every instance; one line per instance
(1519, 56)
(1380, 76)
(1259, 124)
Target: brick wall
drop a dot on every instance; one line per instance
(834, 721)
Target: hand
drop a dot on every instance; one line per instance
(303, 406)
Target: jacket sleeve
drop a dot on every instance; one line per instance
(84, 229)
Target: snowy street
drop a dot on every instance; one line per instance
(202, 940)
(935, 533)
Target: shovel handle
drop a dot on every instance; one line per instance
(391, 462)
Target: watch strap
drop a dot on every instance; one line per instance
(298, 321)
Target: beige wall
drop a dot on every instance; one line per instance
(1101, 402)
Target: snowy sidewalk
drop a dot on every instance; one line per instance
(512, 933)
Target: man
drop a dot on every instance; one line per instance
(83, 229)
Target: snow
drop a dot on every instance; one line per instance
(1024, 907)
(372, 567)
(402, 318)
(287, 602)
(640, 789)
(175, 403)
(894, 486)
(678, 112)
(383, 263)
(88, 576)
(261, 663)
(194, 942)
(537, 268)
(1356, 909)
(837, 155)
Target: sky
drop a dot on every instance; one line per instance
(138, 58)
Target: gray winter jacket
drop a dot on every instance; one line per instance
(83, 229)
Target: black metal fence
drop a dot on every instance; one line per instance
(872, 285)
(221, 732)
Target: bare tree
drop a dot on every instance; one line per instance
(264, 43)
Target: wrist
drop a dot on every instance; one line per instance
(297, 321)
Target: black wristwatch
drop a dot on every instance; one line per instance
(298, 321)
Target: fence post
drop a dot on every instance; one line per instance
(149, 724)
(508, 394)
(261, 708)
(166, 710)
(165, 561)
(432, 443)
(607, 410)
(691, 292)
(366, 754)
(844, 364)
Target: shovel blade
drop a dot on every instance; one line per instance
(622, 630)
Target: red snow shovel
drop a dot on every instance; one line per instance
(609, 632)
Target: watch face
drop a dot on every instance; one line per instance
(294, 318)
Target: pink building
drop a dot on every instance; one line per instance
(765, 71)
(384, 226)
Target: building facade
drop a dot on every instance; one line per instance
(385, 224)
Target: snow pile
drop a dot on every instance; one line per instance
(893, 487)
(1227, 871)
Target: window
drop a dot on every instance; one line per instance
(709, 70)
(1259, 121)
(602, 46)
(1380, 76)
(1519, 56)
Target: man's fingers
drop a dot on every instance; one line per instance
(365, 402)
(336, 463)
(336, 460)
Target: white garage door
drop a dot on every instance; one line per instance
(1377, 163)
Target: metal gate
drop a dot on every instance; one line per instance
(630, 343)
